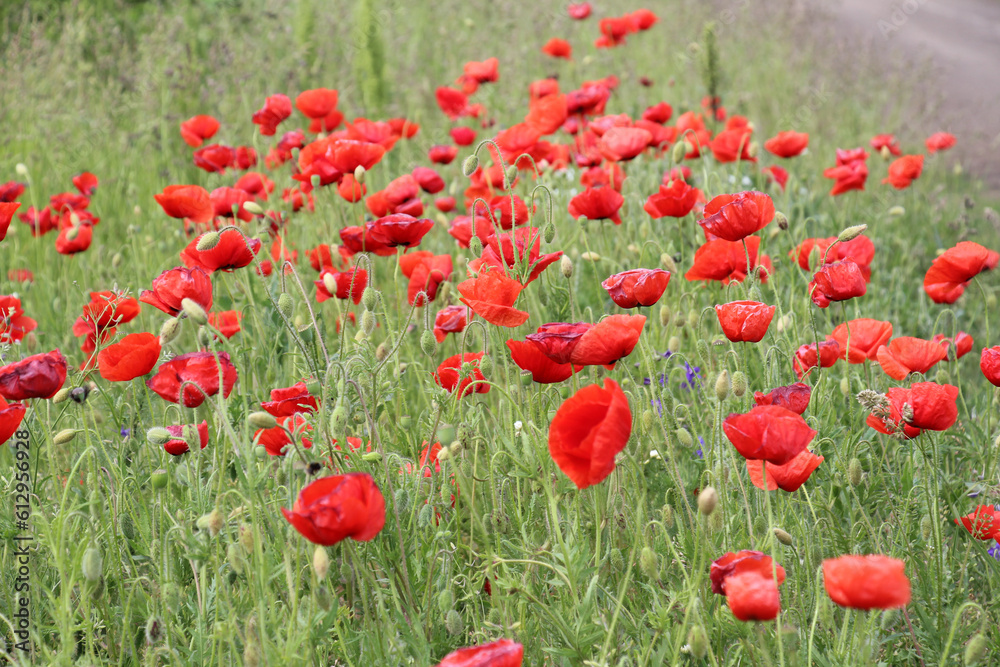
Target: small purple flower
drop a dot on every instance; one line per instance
(658, 405)
(994, 550)
(125, 432)
(693, 375)
(698, 451)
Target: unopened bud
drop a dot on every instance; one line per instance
(668, 263)
(784, 322)
(253, 208)
(684, 437)
(445, 601)
(470, 165)
(549, 232)
(897, 211)
(926, 526)
(590, 257)
(722, 385)
(854, 472)
(649, 563)
(851, 233)
(698, 642)
(845, 385)
(680, 150)
(321, 562)
(674, 344)
(426, 516)
(453, 623)
(739, 384)
(367, 323)
(401, 500)
(207, 241)
(194, 310)
(664, 316)
(942, 376)
(212, 522)
(647, 420)
(781, 220)
(234, 556)
(885, 153)
(381, 352)
(158, 436)
(21, 169)
(975, 650)
(286, 305)
(154, 631)
(566, 267)
(92, 565)
(315, 181)
(707, 500)
(169, 331)
(680, 319)
(61, 395)
(369, 298)
(262, 420)
(359, 174)
(511, 175)
(486, 366)
(783, 537)
(64, 436)
(428, 344)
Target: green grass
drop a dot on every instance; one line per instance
(103, 86)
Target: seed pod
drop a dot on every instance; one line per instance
(428, 344)
(783, 537)
(975, 650)
(92, 565)
(566, 266)
(707, 500)
(453, 623)
(698, 642)
(321, 562)
(194, 310)
(722, 385)
(649, 563)
(470, 165)
(739, 384)
(208, 240)
(262, 420)
(64, 436)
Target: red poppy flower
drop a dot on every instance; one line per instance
(317, 103)
(442, 154)
(7, 210)
(178, 445)
(449, 375)
(174, 285)
(623, 143)
(245, 157)
(866, 336)
(726, 261)
(450, 319)
(788, 477)
(214, 158)
(951, 272)
(233, 251)
(72, 240)
(445, 204)
(933, 406)
(939, 141)
(85, 183)
(11, 416)
(132, 356)
(794, 397)
(866, 582)
(675, 200)
(358, 239)
(529, 357)
(777, 174)
(348, 284)
(752, 597)
(277, 439)
(611, 339)
(732, 145)
(287, 401)
(983, 524)
(517, 249)
(13, 323)
(429, 180)
(906, 355)
(194, 368)
(850, 172)
(962, 342)
(887, 141)
(276, 109)
(558, 48)
(226, 322)
(742, 562)
(426, 272)
(589, 429)
(889, 420)
(37, 376)
(334, 508)
(398, 229)
(638, 287)
(186, 201)
(838, 281)
(454, 103)
(904, 171)
(806, 356)
(547, 114)
(558, 339)
(197, 129)
(491, 295)
(989, 364)
(768, 432)
(579, 11)
(787, 144)
(463, 136)
(501, 653)
(735, 217)
(10, 191)
(744, 321)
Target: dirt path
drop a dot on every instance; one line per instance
(961, 38)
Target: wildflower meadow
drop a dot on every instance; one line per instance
(488, 334)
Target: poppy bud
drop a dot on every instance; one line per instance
(253, 208)
(784, 322)
(359, 174)
(402, 500)
(897, 211)
(251, 654)
(975, 650)
(61, 395)
(425, 517)
(213, 521)
(371, 456)
(739, 384)
(158, 436)
(668, 263)
(942, 376)
(783, 537)
(845, 385)
(315, 181)
(21, 169)
(208, 241)
(285, 303)
(169, 331)
(753, 149)
(680, 319)
(991, 216)
(470, 165)
(854, 472)
(684, 437)
(453, 623)
(381, 352)
(589, 257)
(781, 220)
(680, 149)
(194, 310)
(72, 233)
(445, 601)
(427, 343)
(486, 366)
(64, 436)
(154, 631)
(885, 152)
(262, 420)
(925, 527)
(367, 323)
(260, 452)
(722, 385)
(649, 563)
(321, 562)
(511, 175)
(698, 642)
(851, 233)
(674, 344)
(707, 500)
(566, 266)
(92, 564)
(549, 232)
(159, 479)
(668, 516)
(234, 556)
(664, 316)
(369, 298)
(647, 420)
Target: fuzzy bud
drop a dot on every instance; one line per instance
(668, 263)
(381, 352)
(566, 266)
(159, 479)
(680, 149)
(781, 220)
(92, 565)
(486, 366)
(851, 233)
(158, 436)
(616, 560)
(854, 472)
(845, 385)
(707, 500)
(975, 650)
(21, 169)
(286, 305)
(926, 527)
(61, 395)
(674, 344)
(208, 240)
(698, 642)
(590, 257)
(170, 330)
(234, 556)
(194, 310)
(212, 522)
(664, 316)
(647, 420)
(321, 562)
(64, 436)
(784, 322)
(445, 601)
(369, 298)
(426, 516)
(359, 174)
(453, 623)
(942, 376)
(262, 420)
(154, 631)
(511, 175)
(649, 564)
(470, 165)
(739, 384)
(367, 323)
(549, 232)
(722, 385)
(428, 344)
(897, 211)
(668, 516)
(684, 437)
(783, 537)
